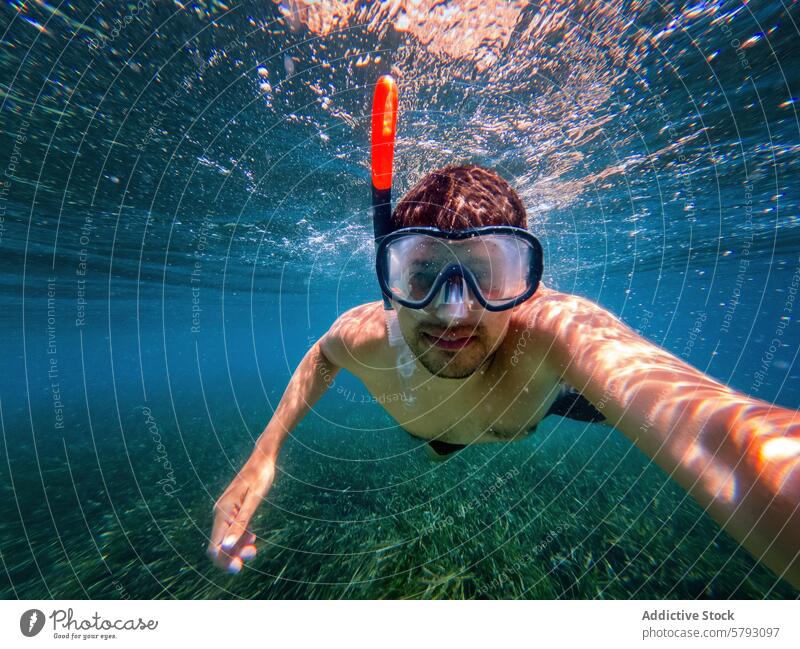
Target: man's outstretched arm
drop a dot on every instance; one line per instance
(354, 334)
(231, 541)
(738, 457)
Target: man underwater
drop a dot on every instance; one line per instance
(493, 351)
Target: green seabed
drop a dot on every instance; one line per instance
(574, 512)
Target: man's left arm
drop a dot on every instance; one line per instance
(737, 456)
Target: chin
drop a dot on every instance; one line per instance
(451, 366)
(450, 372)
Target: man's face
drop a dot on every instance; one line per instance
(452, 347)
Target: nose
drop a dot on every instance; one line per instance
(454, 300)
(454, 290)
(453, 295)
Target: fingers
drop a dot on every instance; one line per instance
(235, 565)
(221, 524)
(223, 539)
(244, 550)
(233, 558)
(241, 519)
(248, 552)
(231, 542)
(230, 522)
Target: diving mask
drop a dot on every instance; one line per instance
(422, 268)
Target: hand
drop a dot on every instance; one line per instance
(231, 541)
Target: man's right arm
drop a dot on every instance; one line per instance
(353, 334)
(309, 382)
(231, 542)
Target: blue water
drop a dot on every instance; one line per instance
(186, 210)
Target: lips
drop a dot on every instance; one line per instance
(449, 341)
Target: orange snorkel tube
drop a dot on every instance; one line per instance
(384, 124)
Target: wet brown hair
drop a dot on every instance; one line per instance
(460, 197)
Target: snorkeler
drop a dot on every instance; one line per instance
(480, 351)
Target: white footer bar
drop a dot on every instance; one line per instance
(402, 624)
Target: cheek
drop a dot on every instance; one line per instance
(408, 327)
(496, 329)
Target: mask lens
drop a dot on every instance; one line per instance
(499, 263)
(413, 264)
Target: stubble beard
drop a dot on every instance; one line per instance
(450, 365)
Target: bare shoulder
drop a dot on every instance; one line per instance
(552, 311)
(554, 325)
(584, 336)
(357, 336)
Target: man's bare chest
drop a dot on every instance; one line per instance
(502, 408)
